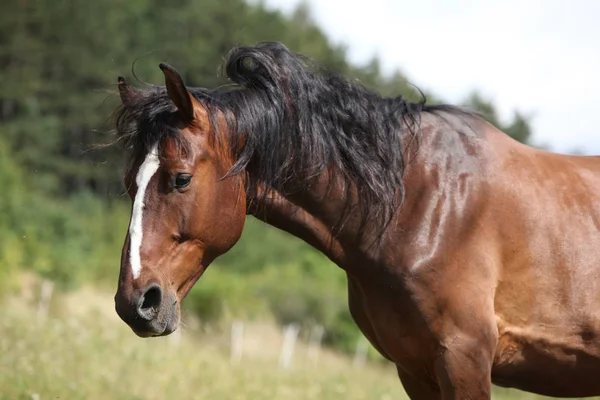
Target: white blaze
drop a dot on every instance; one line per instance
(144, 175)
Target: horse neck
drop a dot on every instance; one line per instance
(310, 215)
(317, 215)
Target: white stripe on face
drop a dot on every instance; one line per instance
(144, 175)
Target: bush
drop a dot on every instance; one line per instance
(12, 251)
(281, 276)
(65, 240)
(220, 294)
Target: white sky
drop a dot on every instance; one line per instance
(541, 57)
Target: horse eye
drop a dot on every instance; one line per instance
(182, 180)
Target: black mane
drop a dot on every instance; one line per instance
(297, 121)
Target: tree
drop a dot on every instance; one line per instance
(519, 128)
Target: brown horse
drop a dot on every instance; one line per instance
(471, 258)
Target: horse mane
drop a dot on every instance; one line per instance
(296, 120)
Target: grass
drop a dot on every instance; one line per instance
(82, 351)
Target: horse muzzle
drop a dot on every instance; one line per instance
(148, 312)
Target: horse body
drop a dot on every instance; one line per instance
(546, 300)
(487, 271)
(482, 254)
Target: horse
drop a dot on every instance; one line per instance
(471, 259)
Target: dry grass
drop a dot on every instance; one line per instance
(84, 352)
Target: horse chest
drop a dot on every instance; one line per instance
(390, 324)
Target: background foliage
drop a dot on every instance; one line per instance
(62, 212)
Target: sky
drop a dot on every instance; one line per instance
(540, 57)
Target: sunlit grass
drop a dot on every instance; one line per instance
(75, 359)
(82, 351)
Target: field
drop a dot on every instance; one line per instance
(82, 351)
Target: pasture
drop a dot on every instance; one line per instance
(83, 351)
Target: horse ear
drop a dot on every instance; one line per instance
(127, 92)
(183, 99)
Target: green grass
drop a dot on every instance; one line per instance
(82, 351)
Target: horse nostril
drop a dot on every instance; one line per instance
(149, 302)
